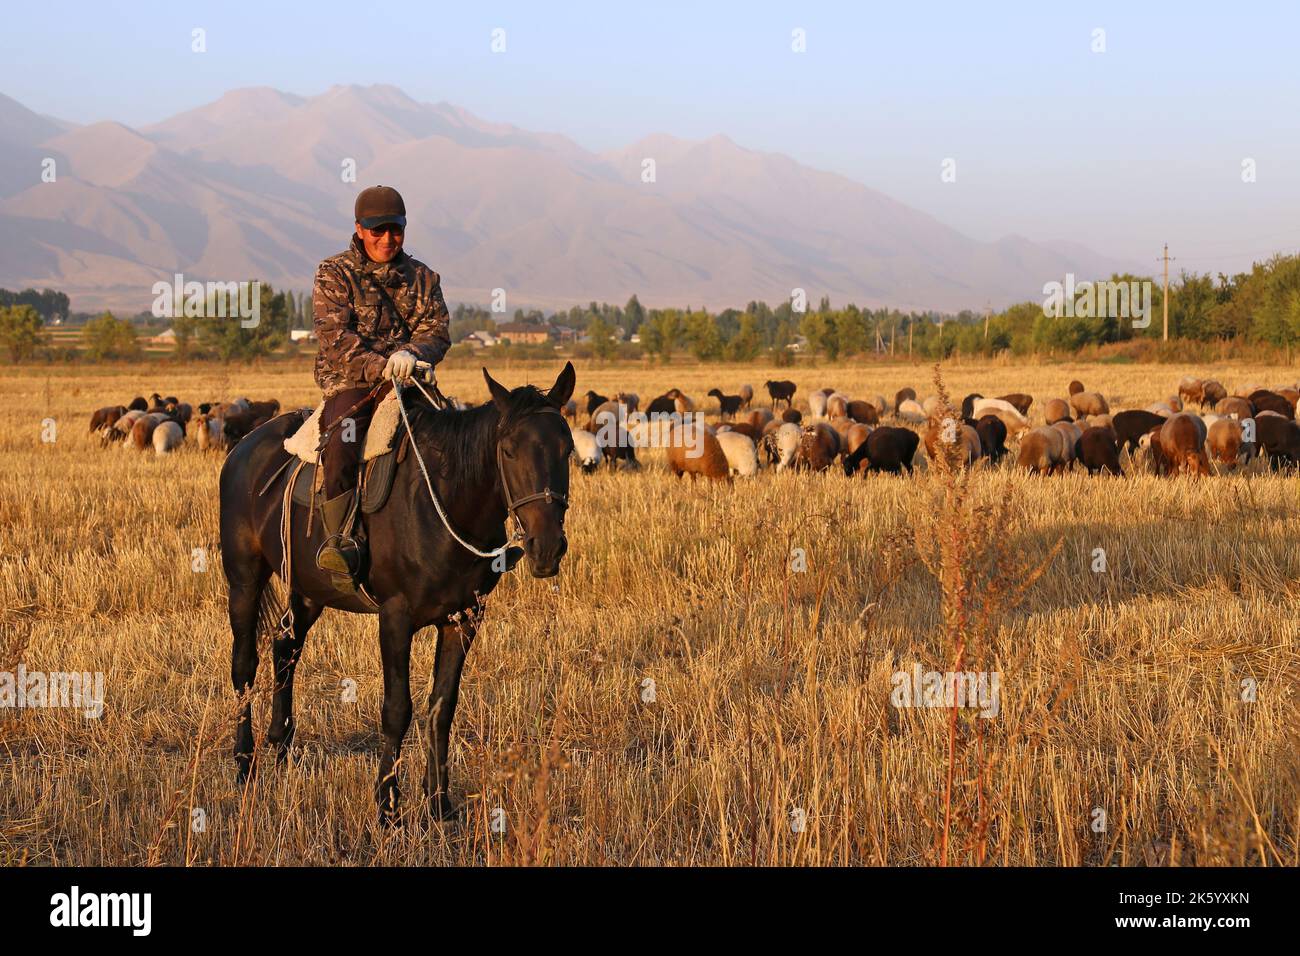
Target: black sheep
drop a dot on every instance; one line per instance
(1132, 425)
(1098, 450)
(886, 449)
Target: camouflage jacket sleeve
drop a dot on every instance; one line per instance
(430, 338)
(344, 359)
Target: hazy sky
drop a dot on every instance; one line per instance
(1120, 150)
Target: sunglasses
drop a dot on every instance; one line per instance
(385, 229)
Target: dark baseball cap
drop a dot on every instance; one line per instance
(378, 205)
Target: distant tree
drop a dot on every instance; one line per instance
(20, 331)
(633, 315)
(746, 344)
(703, 336)
(108, 337)
(230, 338)
(662, 332)
(603, 344)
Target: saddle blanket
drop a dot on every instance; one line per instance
(379, 436)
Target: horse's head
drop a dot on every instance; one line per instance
(533, 448)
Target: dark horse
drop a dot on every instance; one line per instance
(504, 458)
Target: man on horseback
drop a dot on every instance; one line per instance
(377, 311)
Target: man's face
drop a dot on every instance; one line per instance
(383, 242)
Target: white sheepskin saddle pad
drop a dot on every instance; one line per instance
(379, 436)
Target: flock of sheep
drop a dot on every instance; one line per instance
(163, 423)
(873, 434)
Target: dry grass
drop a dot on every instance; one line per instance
(1119, 690)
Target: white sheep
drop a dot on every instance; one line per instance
(742, 455)
(817, 404)
(167, 437)
(586, 450)
(788, 439)
(911, 411)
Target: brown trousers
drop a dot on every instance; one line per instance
(342, 454)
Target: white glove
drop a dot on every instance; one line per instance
(400, 366)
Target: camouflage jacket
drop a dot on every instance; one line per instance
(358, 326)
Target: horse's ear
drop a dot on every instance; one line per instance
(562, 390)
(500, 394)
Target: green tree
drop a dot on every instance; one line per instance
(20, 331)
(601, 336)
(246, 337)
(703, 336)
(108, 337)
(745, 345)
(662, 332)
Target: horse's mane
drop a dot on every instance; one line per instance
(466, 439)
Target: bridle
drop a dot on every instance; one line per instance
(546, 494)
(439, 401)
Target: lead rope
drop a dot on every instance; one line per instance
(437, 504)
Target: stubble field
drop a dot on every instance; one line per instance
(681, 694)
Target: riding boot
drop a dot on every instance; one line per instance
(342, 553)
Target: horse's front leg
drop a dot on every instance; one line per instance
(454, 640)
(395, 650)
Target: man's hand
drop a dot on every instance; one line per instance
(400, 366)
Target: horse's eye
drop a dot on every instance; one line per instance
(507, 451)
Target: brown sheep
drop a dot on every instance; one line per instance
(1097, 450)
(1020, 400)
(1226, 445)
(1057, 410)
(1264, 400)
(1192, 390)
(1089, 403)
(1042, 451)
(837, 406)
(1074, 388)
(695, 451)
(863, 412)
(142, 430)
(760, 417)
(1179, 446)
(1071, 433)
(966, 439)
(792, 415)
(818, 448)
(904, 395)
(1238, 407)
(857, 434)
(746, 395)
(750, 431)
(1212, 393)
(106, 417)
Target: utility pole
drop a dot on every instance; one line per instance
(1165, 297)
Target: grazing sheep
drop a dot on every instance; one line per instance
(696, 452)
(1174, 402)
(1057, 410)
(1163, 409)
(728, 405)
(786, 441)
(683, 404)
(594, 401)
(887, 449)
(1226, 445)
(968, 404)
(1131, 425)
(570, 411)
(760, 417)
(1071, 433)
(142, 430)
(1019, 401)
(747, 394)
(853, 439)
(904, 395)
(104, 418)
(878, 402)
(182, 411)
(909, 410)
(742, 456)
(1292, 395)
(631, 399)
(1179, 446)
(167, 437)
(1212, 393)
(1042, 450)
(837, 406)
(1264, 400)
(1089, 403)
(1010, 416)
(211, 432)
(932, 406)
(1279, 439)
(609, 424)
(753, 432)
(1097, 451)
(138, 405)
(1192, 390)
(245, 416)
(819, 446)
(958, 434)
(817, 405)
(781, 391)
(863, 412)
(993, 437)
(1074, 388)
(842, 426)
(586, 450)
(1234, 408)
(792, 416)
(1100, 421)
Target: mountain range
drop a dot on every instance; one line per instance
(255, 185)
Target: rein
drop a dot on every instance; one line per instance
(512, 504)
